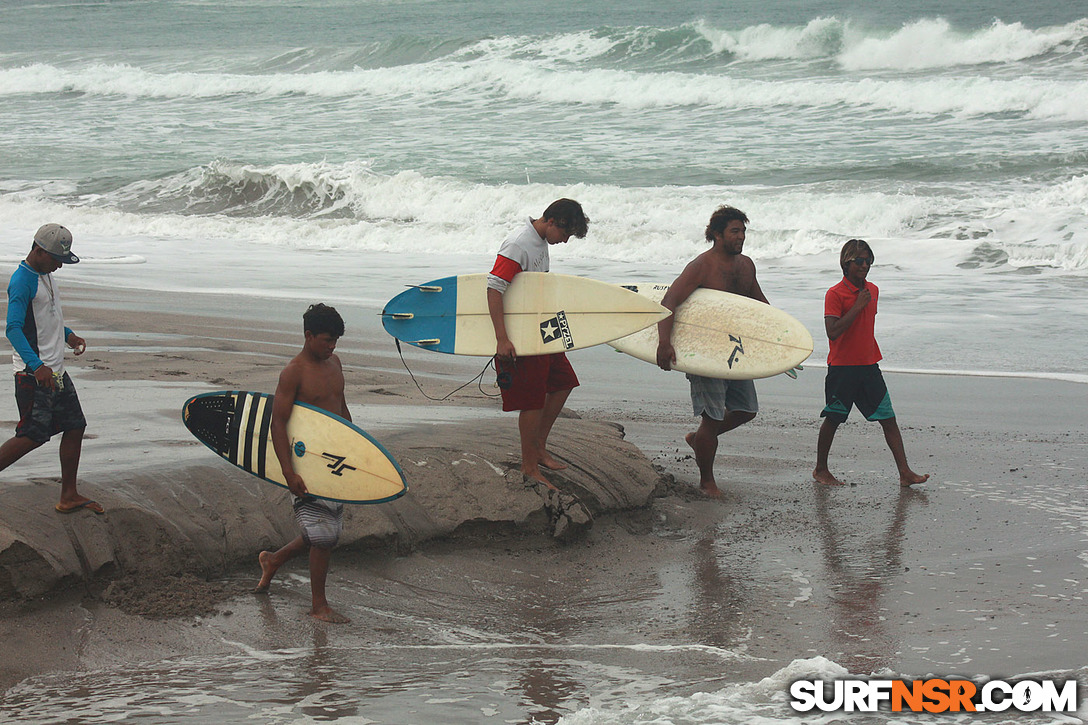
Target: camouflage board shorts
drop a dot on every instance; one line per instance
(44, 413)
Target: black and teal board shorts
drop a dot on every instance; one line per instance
(863, 386)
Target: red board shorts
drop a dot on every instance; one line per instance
(532, 378)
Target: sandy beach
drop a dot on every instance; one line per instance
(981, 571)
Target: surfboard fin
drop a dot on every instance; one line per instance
(425, 287)
(432, 341)
(399, 315)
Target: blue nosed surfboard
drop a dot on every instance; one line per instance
(544, 313)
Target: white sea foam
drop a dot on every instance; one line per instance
(644, 226)
(485, 81)
(761, 702)
(411, 211)
(643, 648)
(1034, 374)
(408, 211)
(765, 703)
(924, 43)
(820, 38)
(933, 43)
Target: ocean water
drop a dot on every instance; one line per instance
(344, 149)
(339, 149)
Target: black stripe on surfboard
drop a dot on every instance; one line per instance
(262, 440)
(254, 404)
(241, 413)
(234, 429)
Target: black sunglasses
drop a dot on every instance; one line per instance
(862, 260)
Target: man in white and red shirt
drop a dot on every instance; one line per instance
(537, 386)
(853, 375)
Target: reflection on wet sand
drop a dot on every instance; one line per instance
(314, 685)
(548, 691)
(718, 599)
(859, 573)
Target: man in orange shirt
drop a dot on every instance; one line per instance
(853, 376)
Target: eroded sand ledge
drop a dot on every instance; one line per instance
(206, 519)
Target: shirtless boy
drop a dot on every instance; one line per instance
(722, 404)
(536, 386)
(315, 376)
(853, 376)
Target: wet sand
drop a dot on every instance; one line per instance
(982, 570)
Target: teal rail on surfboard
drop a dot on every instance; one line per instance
(337, 460)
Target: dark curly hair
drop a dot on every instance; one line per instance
(720, 219)
(319, 319)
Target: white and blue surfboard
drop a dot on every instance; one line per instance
(544, 313)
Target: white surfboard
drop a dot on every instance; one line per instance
(338, 460)
(723, 335)
(544, 313)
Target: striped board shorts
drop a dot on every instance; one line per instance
(321, 521)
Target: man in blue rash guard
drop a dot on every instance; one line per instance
(44, 392)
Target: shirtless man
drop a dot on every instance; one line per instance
(315, 376)
(722, 404)
(853, 376)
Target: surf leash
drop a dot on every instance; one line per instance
(478, 379)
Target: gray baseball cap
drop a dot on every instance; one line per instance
(56, 240)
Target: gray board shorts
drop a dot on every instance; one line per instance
(714, 397)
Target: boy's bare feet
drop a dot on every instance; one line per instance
(537, 477)
(328, 614)
(826, 478)
(910, 478)
(710, 488)
(550, 463)
(268, 570)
